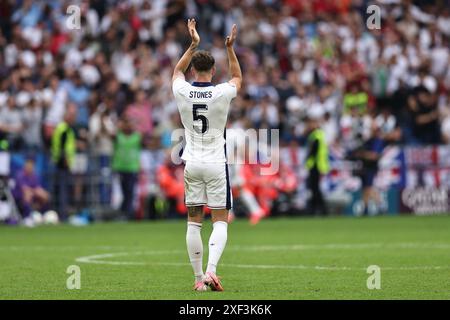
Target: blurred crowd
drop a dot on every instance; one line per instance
(300, 58)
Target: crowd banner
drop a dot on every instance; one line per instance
(425, 200)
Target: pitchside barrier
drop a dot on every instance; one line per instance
(410, 179)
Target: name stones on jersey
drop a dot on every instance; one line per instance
(200, 94)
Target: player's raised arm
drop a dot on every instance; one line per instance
(185, 60)
(235, 69)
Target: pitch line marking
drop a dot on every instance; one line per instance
(96, 259)
(292, 247)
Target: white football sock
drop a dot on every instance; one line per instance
(195, 248)
(217, 243)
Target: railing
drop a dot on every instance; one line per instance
(92, 181)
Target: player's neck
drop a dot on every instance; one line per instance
(203, 78)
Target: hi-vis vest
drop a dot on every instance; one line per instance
(63, 144)
(359, 100)
(127, 150)
(321, 160)
(4, 145)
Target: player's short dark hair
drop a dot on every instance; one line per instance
(203, 61)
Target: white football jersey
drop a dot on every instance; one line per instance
(204, 110)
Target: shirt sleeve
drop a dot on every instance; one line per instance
(177, 85)
(229, 90)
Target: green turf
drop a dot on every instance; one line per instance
(304, 258)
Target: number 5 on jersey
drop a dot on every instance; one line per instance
(200, 117)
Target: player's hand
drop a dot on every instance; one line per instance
(193, 32)
(229, 41)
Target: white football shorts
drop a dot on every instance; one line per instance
(207, 184)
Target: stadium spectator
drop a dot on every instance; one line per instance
(78, 94)
(126, 163)
(330, 128)
(102, 129)
(355, 98)
(63, 149)
(387, 123)
(55, 99)
(140, 114)
(80, 168)
(152, 158)
(264, 114)
(28, 14)
(11, 124)
(317, 162)
(444, 110)
(369, 154)
(355, 128)
(28, 191)
(295, 56)
(426, 126)
(32, 120)
(170, 181)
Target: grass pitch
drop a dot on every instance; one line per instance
(303, 258)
